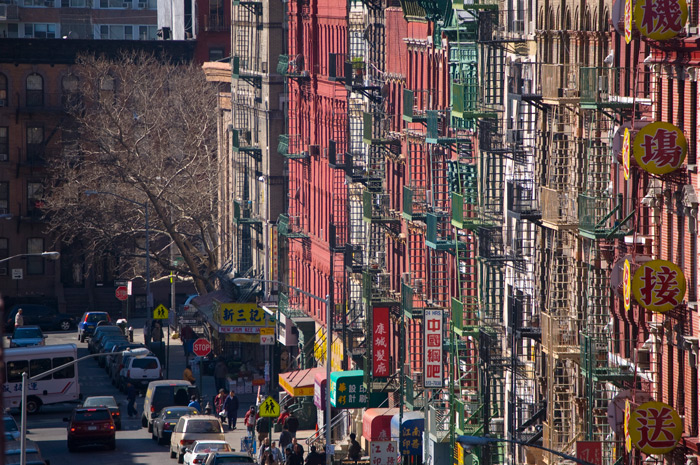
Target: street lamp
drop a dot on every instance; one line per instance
(327, 302)
(143, 205)
(472, 441)
(49, 255)
(138, 353)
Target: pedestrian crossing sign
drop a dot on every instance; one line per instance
(269, 408)
(160, 313)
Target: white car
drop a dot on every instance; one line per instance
(191, 428)
(197, 453)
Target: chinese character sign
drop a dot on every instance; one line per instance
(383, 453)
(235, 314)
(590, 451)
(626, 153)
(628, 21)
(432, 351)
(660, 19)
(655, 428)
(660, 148)
(659, 286)
(627, 285)
(349, 391)
(380, 342)
(628, 414)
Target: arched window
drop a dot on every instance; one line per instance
(35, 90)
(3, 90)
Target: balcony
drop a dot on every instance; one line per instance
(243, 213)
(408, 291)
(438, 234)
(241, 142)
(414, 105)
(521, 82)
(376, 208)
(475, 5)
(466, 103)
(439, 419)
(377, 290)
(369, 132)
(291, 146)
(560, 336)
(291, 227)
(292, 67)
(465, 317)
(240, 69)
(521, 200)
(601, 218)
(558, 209)
(464, 211)
(290, 308)
(595, 362)
(415, 203)
(606, 88)
(560, 83)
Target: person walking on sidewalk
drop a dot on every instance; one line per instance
(231, 407)
(285, 437)
(157, 333)
(131, 400)
(249, 420)
(194, 403)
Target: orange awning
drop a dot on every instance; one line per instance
(300, 383)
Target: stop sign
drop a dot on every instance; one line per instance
(121, 293)
(201, 347)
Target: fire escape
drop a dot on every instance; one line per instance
(244, 131)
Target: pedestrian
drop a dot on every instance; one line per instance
(219, 401)
(354, 451)
(131, 400)
(188, 376)
(283, 416)
(263, 451)
(249, 421)
(220, 374)
(194, 403)
(298, 451)
(292, 423)
(276, 453)
(285, 437)
(262, 427)
(19, 318)
(157, 333)
(147, 333)
(187, 335)
(231, 408)
(291, 458)
(314, 458)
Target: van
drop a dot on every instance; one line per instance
(165, 393)
(140, 371)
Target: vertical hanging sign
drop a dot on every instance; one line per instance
(627, 285)
(432, 352)
(626, 154)
(628, 21)
(380, 342)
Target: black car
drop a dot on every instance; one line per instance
(107, 346)
(45, 317)
(100, 333)
(166, 420)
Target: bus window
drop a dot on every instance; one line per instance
(38, 366)
(15, 370)
(68, 372)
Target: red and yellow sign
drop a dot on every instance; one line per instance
(626, 154)
(655, 428)
(628, 414)
(627, 285)
(660, 148)
(628, 23)
(659, 286)
(660, 19)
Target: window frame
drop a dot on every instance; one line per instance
(36, 265)
(34, 97)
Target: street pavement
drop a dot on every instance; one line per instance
(134, 444)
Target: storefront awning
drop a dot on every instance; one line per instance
(376, 423)
(299, 383)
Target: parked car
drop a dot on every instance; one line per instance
(101, 332)
(163, 393)
(88, 323)
(197, 453)
(10, 426)
(88, 426)
(191, 428)
(228, 458)
(26, 336)
(110, 403)
(166, 420)
(108, 345)
(140, 372)
(117, 350)
(47, 318)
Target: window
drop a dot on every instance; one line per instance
(3, 90)
(216, 54)
(34, 3)
(147, 32)
(112, 3)
(35, 90)
(40, 31)
(68, 372)
(35, 143)
(35, 265)
(35, 195)
(39, 365)
(4, 197)
(15, 370)
(4, 144)
(116, 32)
(74, 3)
(4, 253)
(13, 30)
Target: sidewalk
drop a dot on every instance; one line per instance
(174, 369)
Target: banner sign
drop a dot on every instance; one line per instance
(432, 352)
(380, 342)
(660, 148)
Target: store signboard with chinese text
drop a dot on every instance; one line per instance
(590, 451)
(660, 148)
(659, 286)
(348, 391)
(626, 152)
(655, 428)
(628, 21)
(627, 285)
(383, 453)
(660, 20)
(410, 432)
(237, 314)
(432, 351)
(336, 350)
(380, 342)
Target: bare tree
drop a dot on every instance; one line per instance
(144, 130)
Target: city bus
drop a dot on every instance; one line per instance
(61, 386)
